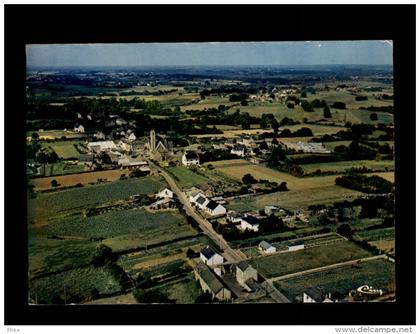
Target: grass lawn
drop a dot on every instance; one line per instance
(287, 263)
(64, 149)
(379, 274)
(184, 291)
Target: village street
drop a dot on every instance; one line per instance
(229, 254)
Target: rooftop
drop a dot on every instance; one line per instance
(316, 294)
(208, 252)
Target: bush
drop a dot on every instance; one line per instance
(338, 105)
(249, 179)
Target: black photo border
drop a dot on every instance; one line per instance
(32, 24)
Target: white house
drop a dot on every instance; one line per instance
(271, 209)
(200, 200)
(132, 137)
(295, 247)
(233, 217)
(190, 158)
(265, 248)
(79, 128)
(314, 295)
(249, 222)
(209, 256)
(214, 208)
(165, 193)
(238, 150)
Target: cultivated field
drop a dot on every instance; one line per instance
(56, 134)
(379, 274)
(46, 206)
(314, 257)
(73, 179)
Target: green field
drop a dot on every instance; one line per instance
(63, 202)
(184, 291)
(186, 177)
(287, 263)
(379, 274)
(64, 149)
(341, 166)
(387, 233)
(77, 283)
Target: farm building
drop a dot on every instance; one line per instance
(271, 209)
(265, 248)
(214, 208)
(79, 128)
(99, 146)
(209, 282)
(249, 222)
(165, 193)
(234, 217)
(246, 274)
(200, 200)
(315, 295)
(130, 164)
(210, 257)
(295, 247)
(238, 150)
(190, 158)
(306, 147)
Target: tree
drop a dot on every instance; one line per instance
(283, 186)
(338, 105)
(244, 103)
(373, 116)
(204, 298)
(54, 183)
(327, 112)
(290, 105)
(248, 179)
(345, 230)
(303, 94)
(275, 125)
(191, 253)
(151, 296)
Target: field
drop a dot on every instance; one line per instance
(73, 179)
(314, 257)
(64, 149)
(56, 134)
(64, 202)
(184, 291)
(77, 283)
(379, 274)
(341, 166)
(186, 177)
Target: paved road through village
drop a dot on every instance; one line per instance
(231, 255)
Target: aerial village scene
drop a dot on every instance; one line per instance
(232, 176)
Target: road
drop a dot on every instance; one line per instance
(331, 266)
(231, 255)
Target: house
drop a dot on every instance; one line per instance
(79, 128)
(249, 222)
(165, 193)
(206, 189)
(131, 164)
(210, 283)
(99, 135)
(190, 158)
(245, 273)
(200, 200)
(295, 247)
(214, 208)
(233, 217)
(265, 248)
(218, 199)
(210, 257)
(238, 150)
(315, 295)
(271, 209)
(132, 137)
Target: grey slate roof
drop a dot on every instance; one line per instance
(315, 294)
(190, 155)
(242, 265)
(208, 252)
(209, 277)
(200, 200)
(251, 220)
(264, 245)
(212, 205)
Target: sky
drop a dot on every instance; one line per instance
(212, 53)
